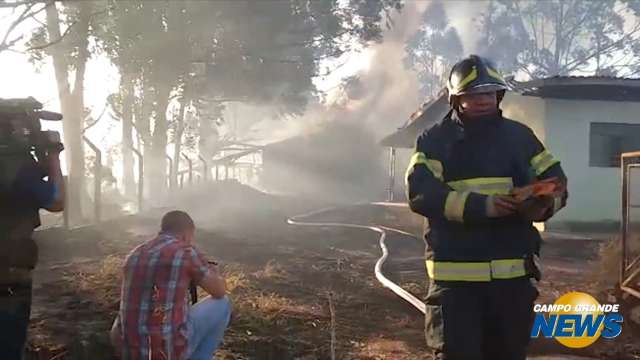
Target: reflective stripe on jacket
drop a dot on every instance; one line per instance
(455, 167)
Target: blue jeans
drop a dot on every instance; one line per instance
(15, 308)
(206, 323)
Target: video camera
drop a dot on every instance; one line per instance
(20, 128)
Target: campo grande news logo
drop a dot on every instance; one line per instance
(577, 320)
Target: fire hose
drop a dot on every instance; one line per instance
(382, 230)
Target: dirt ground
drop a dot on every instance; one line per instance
(284, 281)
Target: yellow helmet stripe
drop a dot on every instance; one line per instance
(494, 74)
(469, 78)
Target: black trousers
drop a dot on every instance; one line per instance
(480, 320)
(15, 309)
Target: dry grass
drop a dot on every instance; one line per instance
(607, 271)
(271, 270)
(413, 287)
(236, 278)
(272, 303)
(378, 348)
(104, 282)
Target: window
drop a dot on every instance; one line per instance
(608, 140)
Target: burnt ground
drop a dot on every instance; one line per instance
(282, 279)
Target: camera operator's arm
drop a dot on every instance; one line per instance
(55, 177)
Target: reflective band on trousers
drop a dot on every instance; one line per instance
(541, 162)
(476, 271)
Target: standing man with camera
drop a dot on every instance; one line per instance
(23, 192)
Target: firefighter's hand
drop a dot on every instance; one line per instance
(536, 208)
(501, 205)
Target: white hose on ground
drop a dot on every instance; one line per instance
(382, 230)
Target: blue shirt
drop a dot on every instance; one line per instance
(31, 190)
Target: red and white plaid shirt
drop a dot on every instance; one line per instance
(154, 299)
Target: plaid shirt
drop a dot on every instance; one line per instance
(154, 300)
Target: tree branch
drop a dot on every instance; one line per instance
(25, 15)
(7, 46)
(578, 62)
(106, 105)
(16, 4)
(329, 72)
(311, 42)
(57, 40)
(66, 32)
(223, 100)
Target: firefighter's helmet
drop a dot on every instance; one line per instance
(475, 74)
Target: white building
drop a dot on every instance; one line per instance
(586, 122)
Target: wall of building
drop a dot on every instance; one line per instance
(528, 110)
(594, 192)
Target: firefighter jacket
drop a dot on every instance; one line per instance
(456, 165)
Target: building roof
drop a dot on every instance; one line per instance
(581, 88)
(558, 87)
(429, 113)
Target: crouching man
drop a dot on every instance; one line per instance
(155, 320)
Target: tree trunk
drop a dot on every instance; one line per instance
(158, 180)
(143, 125)
(126, 86)
(71, 101)
(178, 140)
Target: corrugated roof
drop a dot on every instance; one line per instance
(429, 113)
(603, 88)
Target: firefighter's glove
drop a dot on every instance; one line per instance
(536, 208)
(501, 205)
(536, 201)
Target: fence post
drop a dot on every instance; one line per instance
(627, 274)
(205, 166)
(392, 174)
(170, 161)
(65, 213)
(97, 176)
(140, 178)
(190, 163)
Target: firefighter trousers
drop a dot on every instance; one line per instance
(480, 320)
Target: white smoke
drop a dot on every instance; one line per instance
(463, 15)
(389, 92)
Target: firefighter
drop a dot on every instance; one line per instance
(481, 245)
